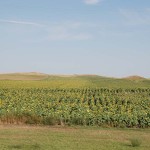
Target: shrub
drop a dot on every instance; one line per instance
(33, 120)
(135, 142)
(50, 121)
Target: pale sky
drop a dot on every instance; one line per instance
(104, 37)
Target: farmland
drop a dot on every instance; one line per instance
(75, 100)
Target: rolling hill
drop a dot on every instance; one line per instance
(72, 81)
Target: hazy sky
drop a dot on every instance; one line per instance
(105, 37)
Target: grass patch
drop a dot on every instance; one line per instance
(135, 142)
(15, 147)
(35, 146)
(70, 138)
(23, 146)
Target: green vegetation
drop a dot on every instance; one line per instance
(135, 142)
(91, 102)
(70, 138)
(88, 106)
(78, 100)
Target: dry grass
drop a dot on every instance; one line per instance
(71, 138)
(135, 78)
(23, 76)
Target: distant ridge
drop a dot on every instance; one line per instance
(135, 77)
(73, 81)
(23, 76)
(31, 73)
(42, 76)
(23, 73)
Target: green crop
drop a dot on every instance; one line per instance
(53, 103)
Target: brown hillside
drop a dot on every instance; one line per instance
(134, 78)
(23, 76)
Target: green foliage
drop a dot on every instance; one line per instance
(73, 100)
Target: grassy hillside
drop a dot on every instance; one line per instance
(74, 81)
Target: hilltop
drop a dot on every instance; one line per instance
(135, 77)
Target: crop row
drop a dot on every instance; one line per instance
(88, 106)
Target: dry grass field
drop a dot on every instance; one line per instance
(71, 138)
